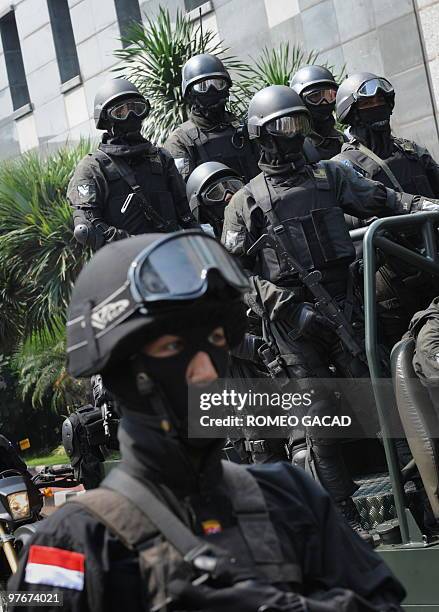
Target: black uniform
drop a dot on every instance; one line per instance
(103, 198)
(412, 165)
(311, 534)
(310, 202)
(320, 193)
(200, 140)
(401, 290)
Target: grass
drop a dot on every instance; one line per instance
(57, 456)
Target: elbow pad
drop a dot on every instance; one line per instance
(84, 233)
(88, 235)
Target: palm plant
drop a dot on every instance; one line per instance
(152, 58)
(274, 66)
(40, 365)
(39, 258)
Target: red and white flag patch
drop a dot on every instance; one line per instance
(56, 567)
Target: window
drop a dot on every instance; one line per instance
(14, 61)
(65, 46)
(190, 5)
(127, 11)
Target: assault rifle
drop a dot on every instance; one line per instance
(102, 401)
(326, 306)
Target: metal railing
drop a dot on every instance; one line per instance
(374, 239)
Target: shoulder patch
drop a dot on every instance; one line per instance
(408, 146)
(231, 239)
(319, 172)
(86, 190)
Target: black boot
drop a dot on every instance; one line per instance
(351, 515)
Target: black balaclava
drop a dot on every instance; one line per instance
(166, 376)
(210, 106)
(129, 130)
(322, 117)
(169, 373)
(124, 139)
(279, 150)
(372, 127)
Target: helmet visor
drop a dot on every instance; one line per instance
(177, 268)
(289, 126)
(371, 87)
(203, 86)
(218, 193)
(121, 111)
(321, 96)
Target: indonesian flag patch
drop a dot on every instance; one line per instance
(56, 567)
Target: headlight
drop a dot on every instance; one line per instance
(19, 505)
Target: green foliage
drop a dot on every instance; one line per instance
(39, 261)
(39, 257)
(156, 52)
(153, 60)
(274, 66)
(41, 367)
(18, 419)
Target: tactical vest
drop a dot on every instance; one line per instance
(404, 163)
(136, 514)
(227, 146)
(317, 233)
(123, 208)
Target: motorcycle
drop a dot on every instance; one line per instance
(21, 502)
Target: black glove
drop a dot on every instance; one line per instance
(247, 596)
(307, 322)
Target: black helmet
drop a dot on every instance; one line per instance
(206, 173)
(111, 91)
(200, 67)
(272, 103)
(362, 84)
(135, 289)
(208, 189)
(312, 76)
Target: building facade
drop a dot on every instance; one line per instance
(54, 54)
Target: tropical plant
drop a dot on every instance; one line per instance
(39, 257)
(274, 66)
(41, 367)
(153, 57)
(18, 419)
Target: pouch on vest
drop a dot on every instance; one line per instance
(333, 235)
(298, 244)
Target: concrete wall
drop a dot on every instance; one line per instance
(375, 35)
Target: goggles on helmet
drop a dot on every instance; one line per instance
(320, 96)
(218, 193)
(177, 268)
(371, 87)
(121, 111)
(289, 126)
(203, 86)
